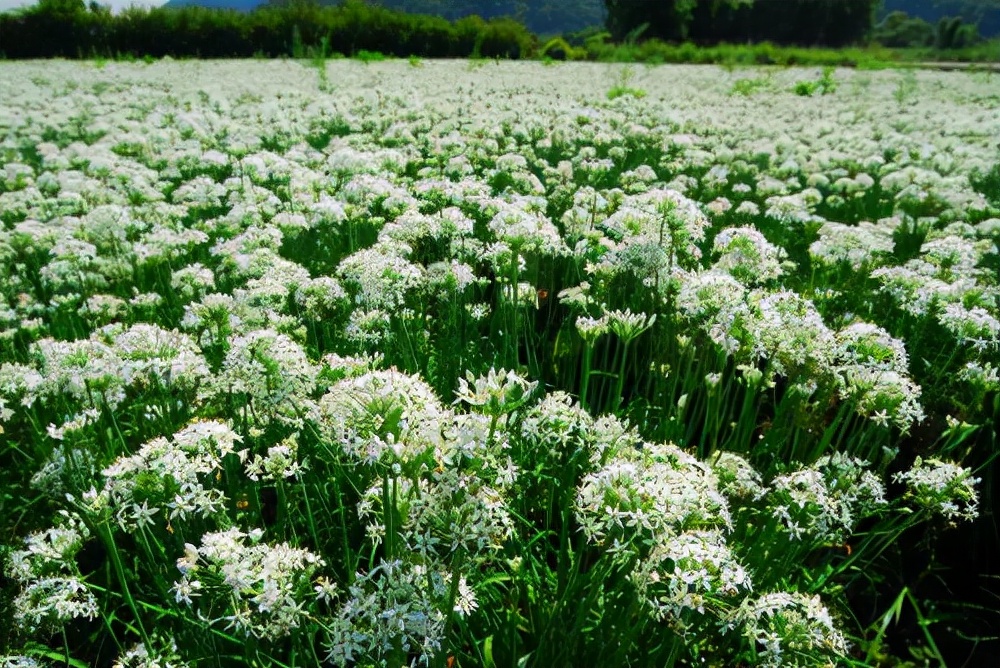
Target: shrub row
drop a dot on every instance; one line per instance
(900, 30)
(790, 22)
(303, 28)
(67, 28)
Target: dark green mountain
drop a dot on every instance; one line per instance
(984, 13)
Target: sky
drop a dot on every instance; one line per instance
(116, 5)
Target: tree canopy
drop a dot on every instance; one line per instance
(804, 22)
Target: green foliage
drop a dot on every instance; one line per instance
(988, 184)
(802, 22)
(616, 92)
(623, 86)
(824, 85)
(951, 33)
(318, 57)
(558, 49)
(305, 29)
(298, 49)
(906, 87)
(742, 55)
(898, 29)
(369, 56)
(985, 14)
(543, 17)
(301, 29)
(749, 86)
(503, 38)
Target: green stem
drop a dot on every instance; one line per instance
(588, 357)
(311, 519)
(490, 439)
(456, 572)
(514, 306)
(924, 623)
(116, 560)
(620, 385)
(388, 517)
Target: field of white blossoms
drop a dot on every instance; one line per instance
(489, 364)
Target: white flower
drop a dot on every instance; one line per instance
(271, 372)
(381, 276)
(687, 571)
(746, 254)
(496, 393)
(627, 325)
(857, 245)
(383, 416)
(395, 604)
(465, 602)
(52, 601)
(162, 654)
(874, 373)
(280, 462)
(790, 629)
(790, 334)
(185, 589)
(591, 329)
(190, 559)
(737, 478)
(942, 487)
(195, 453)
(648, 494)
(825, 501)
(267, 583)
(11, 661)
(974, 326)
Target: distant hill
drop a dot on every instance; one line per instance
(985, 13)
(543, 17)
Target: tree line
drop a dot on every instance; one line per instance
(542, 17)
(806, 22)
(71, 29)
(452, 28)
(793, 22)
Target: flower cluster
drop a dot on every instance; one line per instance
(661, 506)
(873, 369)
(395, 607)
(943, 488)
(52, 590)
(385, 417)
(171, 477)
(262, 586)
(825, 501)
(791, 630)
(495, 394)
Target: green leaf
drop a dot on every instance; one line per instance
(488, 653)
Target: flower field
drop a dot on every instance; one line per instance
(465, 363)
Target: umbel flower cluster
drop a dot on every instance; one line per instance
(472, 365)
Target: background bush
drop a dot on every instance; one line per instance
(673, 31)
(70, 29)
